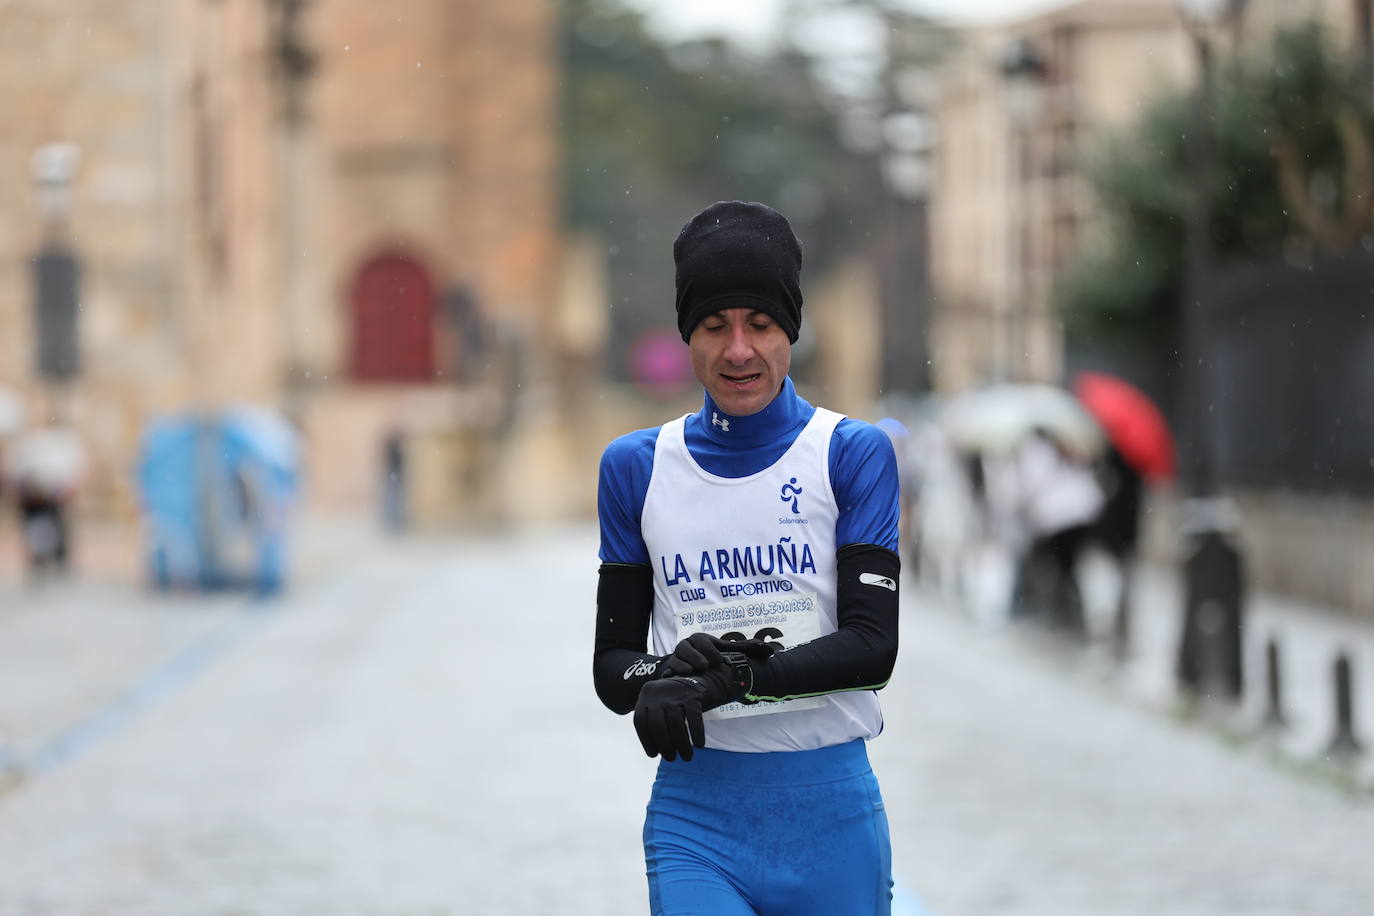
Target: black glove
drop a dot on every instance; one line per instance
(701, 652)
(668, 714)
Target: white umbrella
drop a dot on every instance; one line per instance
(997, 418)
(48, 459)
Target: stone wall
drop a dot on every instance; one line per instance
(94, 74)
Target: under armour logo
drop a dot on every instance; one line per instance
(717, 421)
(790, 492)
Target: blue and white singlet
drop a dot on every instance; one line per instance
(740, 519)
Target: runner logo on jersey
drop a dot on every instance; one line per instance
(717, 421)
(790, 492)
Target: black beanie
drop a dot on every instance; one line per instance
(738, 255)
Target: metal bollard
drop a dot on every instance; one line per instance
(1344, 744)
(1273, 682)
(1210, 655)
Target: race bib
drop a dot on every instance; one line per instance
(788, 620)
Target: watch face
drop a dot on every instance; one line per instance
(740, 673)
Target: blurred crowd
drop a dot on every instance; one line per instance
(1025, 500)
(42, 465)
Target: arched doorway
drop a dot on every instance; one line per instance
(393, 320)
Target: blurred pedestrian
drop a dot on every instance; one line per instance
(1061, 500)
(945, 519)
(43, 468)
(394, 490)
(1117, 530)
(993, 554)
(755, 541)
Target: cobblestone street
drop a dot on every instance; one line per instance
(411, 731)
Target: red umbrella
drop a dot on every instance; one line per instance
(1131, 420)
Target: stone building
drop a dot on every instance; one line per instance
(1009, 203)
(342, 209)
(1020, 108)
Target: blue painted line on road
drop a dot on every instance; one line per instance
(164, 680)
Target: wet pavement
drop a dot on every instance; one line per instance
(411, 731)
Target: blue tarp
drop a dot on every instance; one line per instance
(216, 490)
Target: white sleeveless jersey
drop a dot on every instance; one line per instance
(753, 556)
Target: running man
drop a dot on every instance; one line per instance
(755, 542)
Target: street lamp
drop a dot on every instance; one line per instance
(56, 271)
(53, 166)
(1210, 651)
(1023, 70)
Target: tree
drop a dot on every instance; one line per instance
(653, 131)
(1293, 147)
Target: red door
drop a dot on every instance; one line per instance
(393, 321)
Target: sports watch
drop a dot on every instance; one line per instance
(741, 675)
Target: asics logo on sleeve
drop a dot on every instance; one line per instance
(640, 669)
(717, 421)
(880, 581)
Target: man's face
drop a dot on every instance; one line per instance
(741, 356)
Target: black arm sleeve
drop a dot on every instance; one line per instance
(857, 656)
(624, 607)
